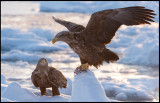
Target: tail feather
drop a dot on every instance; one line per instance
(97, 59)
(110, 56)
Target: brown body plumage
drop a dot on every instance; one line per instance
(90, 42)
(45, 77)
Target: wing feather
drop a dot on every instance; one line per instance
(72, 27)
(103, 25)
(34, 80)
(57, 77)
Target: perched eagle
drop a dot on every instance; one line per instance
(45, 77)
(90, 42)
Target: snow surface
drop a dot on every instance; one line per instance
(143, 49)
(128, 92)
(86, 88)
(26, 36)
(33, 40)
(14, 92)
(3, 79)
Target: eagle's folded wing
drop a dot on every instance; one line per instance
(33, 78)
(57, 77)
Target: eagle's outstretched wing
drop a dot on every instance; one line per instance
(72, 27)
(103, 25)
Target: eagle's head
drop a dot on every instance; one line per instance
(62, 36)
(43, 62)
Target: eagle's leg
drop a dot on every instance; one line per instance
(43, 91)
(84, 66)
(55, 91)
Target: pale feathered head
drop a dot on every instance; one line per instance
(64, 36)
(42, 62)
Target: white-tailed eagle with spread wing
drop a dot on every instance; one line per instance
(90, 42)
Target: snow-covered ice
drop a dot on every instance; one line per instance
(86, 88)
(14, 92)
(143, 48)
(33, 40)
(3, 79)
(121, 97)
(134, 90)
(26, 37)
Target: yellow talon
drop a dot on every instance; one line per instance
(84, 66)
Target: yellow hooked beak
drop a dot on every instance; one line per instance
(44, 62)
(54, 40)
